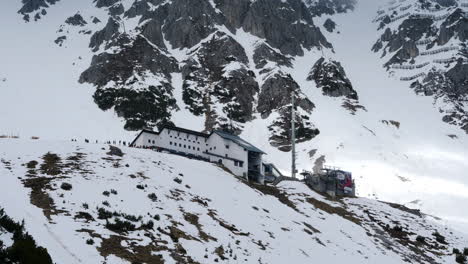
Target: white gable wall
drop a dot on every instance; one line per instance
(217, 145)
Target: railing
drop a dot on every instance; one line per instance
(404, 8)
(445, 49)
(423, 42)
(410, 67)
(393, 7)
(410, 78)
(379, 18)
(449, 60)
(399, 17)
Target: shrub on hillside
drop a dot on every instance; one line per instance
(460, 259)
(66, 186)
(153, 197)
(24, 249)
(120, 226)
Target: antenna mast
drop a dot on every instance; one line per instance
(293, 137)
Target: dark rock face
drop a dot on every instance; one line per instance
(76, 20)
(108, 33)
(59, 41)
(276, 93)
(190, 21)
(105, 3)
(217, 72)
(275, 96)
(263, 53)
(285, 32)
(117, 75)
(451, 85)
(402, 41)
(280, 129)
(330, 7)
(31, 6)
(331, 78)
(455, 25)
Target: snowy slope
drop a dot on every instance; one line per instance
(422, 163)
(201, 214)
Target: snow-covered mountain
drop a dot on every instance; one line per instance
(85, 203)
(355, 67)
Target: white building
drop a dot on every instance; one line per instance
(239, 156)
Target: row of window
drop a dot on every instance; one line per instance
(238, 163)
(184, 146)
(191, 141)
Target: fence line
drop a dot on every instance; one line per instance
(393, 7)
(410, 67)
(404, 8)
(445, 49)
(399, 17)
(412, 77)
(423, 42)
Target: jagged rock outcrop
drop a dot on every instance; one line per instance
(455, 25)
(136, 81)
(331, 78)
(76, 20)
(264, 53)
(275, 97)
(35, 8)
(280, 129)
(451, 87)
(330, 7)
(217, 74)
(108, 33)
(276, 93)
(329, 25)
(286, 32)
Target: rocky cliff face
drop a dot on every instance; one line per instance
(224, 80)
(425, 43)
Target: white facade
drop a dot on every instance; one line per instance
(213, 147)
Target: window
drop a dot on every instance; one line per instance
(214, 147)
(185, 146)
(170, 143)
(241, 164)
(236, 163)
(226, 155)
(180, 145)
(198, 149)
(149, 140)
(153, 141)
(211, 148)
(227, 146)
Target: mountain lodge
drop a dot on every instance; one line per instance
(239, 156)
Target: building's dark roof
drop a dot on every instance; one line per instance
(239, 141)
(225, 135)
(183, 130)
